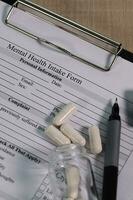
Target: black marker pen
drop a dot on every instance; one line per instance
(112, 155)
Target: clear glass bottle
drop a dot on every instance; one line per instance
(71, 174)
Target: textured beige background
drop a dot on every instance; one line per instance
(112, 18)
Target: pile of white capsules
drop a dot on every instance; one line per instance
(61, 132)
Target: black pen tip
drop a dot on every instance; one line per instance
(115, 111)
(115, 107)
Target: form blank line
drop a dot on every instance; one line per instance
(42, 99)
(7, 81)
(22, 142)
(8, 75)
(24, 136)
(86, 101)
(98, 174)
(49, 95)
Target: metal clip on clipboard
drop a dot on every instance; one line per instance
(102, 42)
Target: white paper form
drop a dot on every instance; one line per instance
(33, 81)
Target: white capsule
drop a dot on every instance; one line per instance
(72, 134)
(64, 114)
(73, 179)
(55, 135)
(95, 140)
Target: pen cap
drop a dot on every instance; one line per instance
(70, 173)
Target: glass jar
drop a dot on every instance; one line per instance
(71, 174)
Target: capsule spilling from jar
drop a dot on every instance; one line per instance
(73, 180)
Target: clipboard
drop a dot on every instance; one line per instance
(119, 51)
(112, 47)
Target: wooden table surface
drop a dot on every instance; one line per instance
(112, 18)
